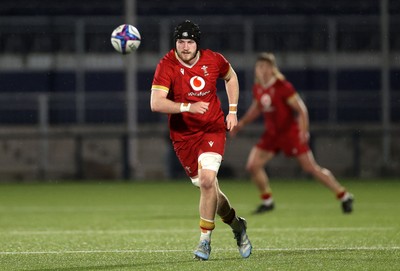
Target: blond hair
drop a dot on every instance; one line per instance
(270, 58)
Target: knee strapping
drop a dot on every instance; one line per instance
(211, 161)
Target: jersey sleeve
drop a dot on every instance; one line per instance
(162, 78)
(288, 90)
(223, 65)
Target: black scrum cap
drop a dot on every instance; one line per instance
(187, 30)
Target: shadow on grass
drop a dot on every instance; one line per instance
(275, 259)
(150, 265)
(143, 266)
(132, 266)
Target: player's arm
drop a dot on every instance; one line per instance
(298, 106)
(232, 90)
(160, 103)
(251, 114)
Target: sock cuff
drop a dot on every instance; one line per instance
(206, 224)
(340, 195)
(266, 195)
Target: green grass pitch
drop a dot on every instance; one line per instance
(154, 226)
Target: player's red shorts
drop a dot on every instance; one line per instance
(288, 142)
(189, 151)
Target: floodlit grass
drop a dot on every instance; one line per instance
(154, 226)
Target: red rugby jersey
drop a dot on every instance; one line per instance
(272, 100)
(190, 84)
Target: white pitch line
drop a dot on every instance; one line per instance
(144, 231)
(330, 249)
(315, 229)
(185, 250)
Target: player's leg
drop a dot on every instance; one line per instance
(208, 195)
(325, 176)
(256, 162)
(208, 167)
(205, 180)
(203, 250)
(209, 164)
(238, 224)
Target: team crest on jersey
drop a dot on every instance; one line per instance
(204, 68)
(197, 83)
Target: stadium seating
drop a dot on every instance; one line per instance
(290, 27)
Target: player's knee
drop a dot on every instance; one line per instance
(209, 161)
(207, 182)
(326, 171)
(252, 168)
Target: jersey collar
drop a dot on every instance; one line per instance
(186, 65)
(270, 82)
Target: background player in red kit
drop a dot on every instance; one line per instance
(286, 129)
(184, 87)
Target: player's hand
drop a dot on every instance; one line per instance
(231, 121)
(236, 129)
(199, 108)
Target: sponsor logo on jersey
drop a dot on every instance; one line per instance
(199, 94)
(211, 143)
(197, 83)
(266, 102)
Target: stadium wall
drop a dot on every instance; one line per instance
(99, 152)
(334, 61)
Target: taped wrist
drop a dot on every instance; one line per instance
(232, 108)
(185, 107)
